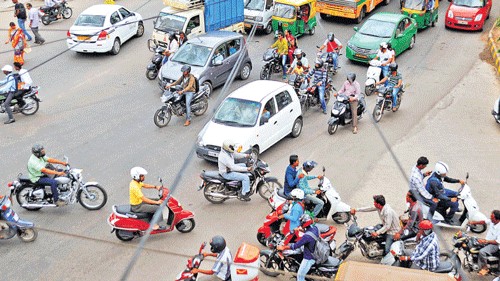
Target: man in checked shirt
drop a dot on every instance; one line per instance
(426, 254)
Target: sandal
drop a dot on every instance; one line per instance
(483, 272)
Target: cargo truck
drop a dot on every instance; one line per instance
(195, 17)
(352, 9)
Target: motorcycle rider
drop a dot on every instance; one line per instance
(492, 240)
(140, 203)
(415, 217)
(447, 197)
(384, 56)
(291, 176)
(231, 171)
(187, 81)
(388, 217)
(352, 89)
(24, 85)
(222, 266)
(54, 7)
(39, 171)
(426, 254)
(309, 244)
(320, 78)
(333, 47)
(299, 57)
(394, 82)
(417, 187)
(172, 47)
(297, 209)
(282, 45)
(309, 192)
(8, 87)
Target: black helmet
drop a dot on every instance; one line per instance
(330, 36)
(37, 150)
(389, 45)
(351, 77)
(171, 36)
(217, 244)
(318, 62)
(186, 68)
(393, 66)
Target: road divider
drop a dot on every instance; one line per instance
(495, 53)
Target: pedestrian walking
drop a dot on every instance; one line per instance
(17, 39)
(34, 19)
(20, 14)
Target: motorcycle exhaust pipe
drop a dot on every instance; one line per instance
(37, 205)
(218, 195)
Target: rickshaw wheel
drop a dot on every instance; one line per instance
(312, 30)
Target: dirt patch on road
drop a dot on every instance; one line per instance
(485, 55)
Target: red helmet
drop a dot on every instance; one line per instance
(425, 225)
(306, 220)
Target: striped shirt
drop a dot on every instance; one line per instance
(426, 254)
(319, 76)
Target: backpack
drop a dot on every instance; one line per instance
(22, 11)
(17, 80)
(196, 84)
(321, 249)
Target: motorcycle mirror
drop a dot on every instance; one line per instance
(160, 180)
(324, 169)
(467, 176)
(152, 45)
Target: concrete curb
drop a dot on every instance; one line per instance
(493, 49)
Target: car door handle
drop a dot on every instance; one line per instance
(291, 110)
(275, 122)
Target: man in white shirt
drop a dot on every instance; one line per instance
(54, 4)
(222, 266)
(492, 240)
(34, 22)
(384, 56)
(24, 85)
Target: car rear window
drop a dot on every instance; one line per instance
(90, 20)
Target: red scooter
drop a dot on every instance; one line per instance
(127, 225)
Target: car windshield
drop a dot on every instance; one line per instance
(90, 20)
(469, 3)
(284, 11)
(415, 4)
(257, 5)
(377, 28)
(168, 22)
(237, 113)
(192, 54)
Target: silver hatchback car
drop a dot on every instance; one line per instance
(211, 56)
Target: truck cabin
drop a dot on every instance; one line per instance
(171, 22)
(258, 5)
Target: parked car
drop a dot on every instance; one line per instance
(211, 56)
(400, 30)
(104, 28)
(467, 14)
(256, 116)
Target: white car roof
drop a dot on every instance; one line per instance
(258, 90)
(101, 9)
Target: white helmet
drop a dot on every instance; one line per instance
(297, 193)
(383, 45)
(441, 168)
(136, 173)
(7, 68)
(297, 52)
(231, 146)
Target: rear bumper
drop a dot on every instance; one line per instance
(464, 25)
(90, 47)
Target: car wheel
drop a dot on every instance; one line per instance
(116, 47)
(412, 43)
(269, 28)
(297, 127)
(245, 71)
(362, 14)
(386, 2)
(140, 30)
(209, 87)
(323, 16)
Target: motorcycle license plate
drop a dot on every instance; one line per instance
(83, 38)
(213, 154)
(462, 22)
(361, 56)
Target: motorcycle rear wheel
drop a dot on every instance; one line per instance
(67, 13)
(162, 117)
(28, 235)
(97, 193)
(151, 74)
(204, 106)
(21, 198)
(120, 235)
(188, 226)
(377, 113)
(333, 128)
(32, 107)
(46, 20)
(217, 188)
(266, 263)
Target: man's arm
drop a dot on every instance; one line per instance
(292, 179)
(438, 193)
(365, 209)
(450, 180)
(400, 82)
(176, 82)
(55, 161)
(149, 201)
(342, 89)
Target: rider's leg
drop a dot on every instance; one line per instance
(283, 63)
(321, 91)
(395, 92)
(53, 186)
(318, 203)
(335, 58)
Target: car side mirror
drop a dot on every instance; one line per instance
(216, 62)
(356, 28)
(399, 36)
(154, 22)
(264, 120)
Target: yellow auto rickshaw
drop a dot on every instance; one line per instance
(298, 16)
(425, 12)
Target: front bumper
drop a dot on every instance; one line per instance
(464, 25)
(354, 56)
(208, 153)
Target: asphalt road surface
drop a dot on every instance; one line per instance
(98, 110)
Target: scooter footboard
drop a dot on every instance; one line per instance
(332, 120)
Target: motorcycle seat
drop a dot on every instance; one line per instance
(331, 262)
(24, 178)
(444, 267)
(126, 210)
(281, 193)
(217, 176)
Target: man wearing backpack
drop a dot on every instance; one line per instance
(8, 87)
(20, 14)
(310, 241)
(188, 83)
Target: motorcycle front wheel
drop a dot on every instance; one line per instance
(151, 74)
(262, 239)
(162, 117)
(28, 235)
(95, 199)
(341, 218)
(22, 198)
(377, 113)
(333, 128)
(67, 13)
(203, 106)
(266, 188)
(369, 90)
(124, 235)
(32, 106)
(214, 188)
(46, 20)
(478, 228)
(268, 265)
(265, 73)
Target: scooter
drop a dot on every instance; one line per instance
(11, 225)
(272, 224)
(470, 247)
(127, 225)
(496, 111)
(373, 75)
(156, 61)
(341, 112)
(245, 266)
(470, 212)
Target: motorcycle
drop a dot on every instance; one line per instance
(217, 189)
(341, 112)
(373, 75)
(496, 111)
(309, 96)
(127, 224)
(298, 83)
(272, 64)
(470, 212)
(12, 225)
(156, 61)
(50, 13)
(175, 104)
(243, 268)
(470, 247)
(327, 58)
(29, 97)
(384, 101)
(72, 189)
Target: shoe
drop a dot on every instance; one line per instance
(9, 121)
(394, 109)
(244, 198)
(324, 111)
(29, 39)
(449, 221)
(355, 130)
(187, 123)
(60, 203)
(284, 77)
(41, 43)
(36, 42)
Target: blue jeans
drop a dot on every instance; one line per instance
(317, 202)
(388, 243)
(304, 268)
(335, 58)
(283, 62)
(189, 98)
(236, 176)
(53, 186)
(395, 92)
(385, 70)
(453, 205)
(21, 25)
(321, 91)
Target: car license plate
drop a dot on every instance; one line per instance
(83, 38)
(213, 154)
(361, 56)
(462, 22)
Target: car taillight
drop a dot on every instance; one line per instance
(102, 35)
(68, 35)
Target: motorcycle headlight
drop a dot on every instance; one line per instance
(163, 99)
(478, 17)
(450, 14)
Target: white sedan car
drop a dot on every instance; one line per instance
(104, 28)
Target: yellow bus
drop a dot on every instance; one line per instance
(352, 9)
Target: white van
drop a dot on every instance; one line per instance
(260, 13)
(256, 116)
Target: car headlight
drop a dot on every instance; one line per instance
(478, 17)
(259, 19)
(199, 141)
(450, 14)
(350, 45)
